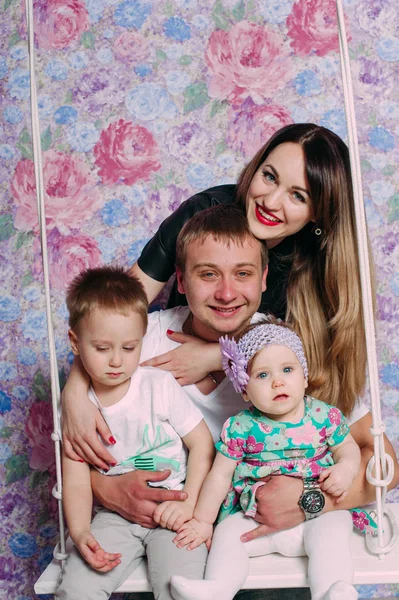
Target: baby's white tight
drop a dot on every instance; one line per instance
(326, 540)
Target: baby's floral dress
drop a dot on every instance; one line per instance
(265, 447)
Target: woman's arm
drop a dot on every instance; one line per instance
(278, 500)
(151, 286)
(81, 421)
(157, 260)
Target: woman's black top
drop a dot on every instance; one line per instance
(157, 259)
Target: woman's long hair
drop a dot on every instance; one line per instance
(323, 294)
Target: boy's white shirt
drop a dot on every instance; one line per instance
(148, 424)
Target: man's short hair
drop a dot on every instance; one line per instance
(225, 222)
(108, 288)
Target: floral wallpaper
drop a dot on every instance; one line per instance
(142, 103)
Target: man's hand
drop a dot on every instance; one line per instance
(336, 480)
(92, 552)
(131, 497)
(172, 515)
(188, 363)
(277, 506)
(193, 533)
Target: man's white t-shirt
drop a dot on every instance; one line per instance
(217, 406)
(223, 402)
(148, 424)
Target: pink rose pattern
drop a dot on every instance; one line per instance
(231, 78)
(72, 194)
(131, 47)
(248, 61)
(250, 125)
(312, 27)
(58, 23)
(126, 153)
(39, 428)
(68, 256)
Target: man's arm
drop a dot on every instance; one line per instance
(131, 497)
(278, 500)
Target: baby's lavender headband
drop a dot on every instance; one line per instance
(236, 355)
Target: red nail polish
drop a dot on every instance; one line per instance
(81, 460)
(170, 331)
(112, 440)
(113, 464)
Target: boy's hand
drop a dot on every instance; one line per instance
(172, 515)
(193, 533)
(337, 480)
(92, 552)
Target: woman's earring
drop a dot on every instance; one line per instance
(317, 231)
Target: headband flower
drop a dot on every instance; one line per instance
(234, 364)
(236, 355)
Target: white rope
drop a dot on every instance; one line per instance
(380, 462)
(55, 386)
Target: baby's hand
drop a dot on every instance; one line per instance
(172, 514)
(193, 534)
(92, 552)
(337, 480)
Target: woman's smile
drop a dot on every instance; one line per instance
(265, 217)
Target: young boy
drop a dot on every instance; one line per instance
(154, 425)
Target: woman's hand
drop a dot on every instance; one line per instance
(81, 421)
(190, 362)
(79, 433)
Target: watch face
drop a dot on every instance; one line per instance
(313, 501)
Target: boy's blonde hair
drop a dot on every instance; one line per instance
(109, 288)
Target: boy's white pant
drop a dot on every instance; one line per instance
(326, 541)
(115, 534)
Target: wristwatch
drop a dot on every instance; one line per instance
(312, 499)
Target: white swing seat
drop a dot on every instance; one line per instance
(272, 571)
